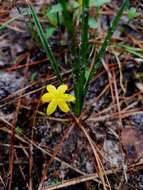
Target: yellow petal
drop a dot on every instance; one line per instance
(51, 107)
(63, 106)
(47, 97)
(68, 97)
(62, 88)
(51, 88)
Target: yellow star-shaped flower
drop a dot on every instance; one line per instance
(57, 97)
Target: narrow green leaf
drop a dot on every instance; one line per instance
(45, 43)
(106, 42)
(84, 34)
(74, 49)
(133, 50)
(83, 61)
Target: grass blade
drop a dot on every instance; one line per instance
(45, 43)
(79, 54)
(133, 50)
(84, 35)
(83, 56)
(106, 42)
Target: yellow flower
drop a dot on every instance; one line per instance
(57, 97)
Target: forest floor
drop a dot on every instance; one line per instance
(62, 151)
